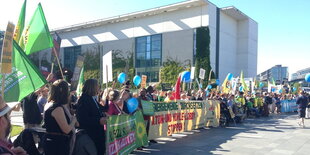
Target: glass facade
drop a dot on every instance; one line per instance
(70, 56)
(148, 56)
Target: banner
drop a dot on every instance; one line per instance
(148, 108)
(202, 73)
(57, 43)
(192, 73)
(143, 82)
(36, 36)
(289, 105)
(177, 117)
(107, 75)
(77, 72)
(125, 133)
(24, 79)
(6, 54)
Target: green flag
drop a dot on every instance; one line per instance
(21, 23)
(36, 36)
(81, 83)
(273, 82)
(24, 79)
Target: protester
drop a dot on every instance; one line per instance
(6, 148)
(31, 113)
(43, 99)
(59, 123)
(278, 104)
(91, 116)
(267, 102)
(114, 108)
(302, 102)
(169, 97)
(161, 96)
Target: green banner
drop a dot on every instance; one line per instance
(125, 133)
(148, 108)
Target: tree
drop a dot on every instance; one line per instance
(92, 64)
(170, 71)
(203, 53)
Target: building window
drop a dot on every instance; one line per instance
(70, 56)
(148, 51)
(148, 56)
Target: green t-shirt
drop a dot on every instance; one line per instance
(250, 104)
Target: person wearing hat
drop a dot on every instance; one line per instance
(6, 148)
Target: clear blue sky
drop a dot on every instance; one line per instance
(283, 32)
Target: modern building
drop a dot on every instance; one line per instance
(169, 31)
(1, 40)
(277, 73)
(299, 76)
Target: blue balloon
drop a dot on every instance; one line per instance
(241, 88)
(137, 80)
(294, 89)
(261, 85)
(121, 78)
(217, 82)
(186, 77)
(280, 91)
(209, 87)
(273, 89)
(230, 76)
(307, 77)
(132, 105)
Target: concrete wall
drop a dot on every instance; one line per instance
(178, 45)
(228, 46)
(247, 47)
(165, 22)
(238, 38)
(212, 26)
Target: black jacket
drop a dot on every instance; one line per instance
(88, 115)
(31, 111)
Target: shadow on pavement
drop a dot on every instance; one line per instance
(207, 140)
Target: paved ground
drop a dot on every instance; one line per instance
(17, 118)
(276, 135)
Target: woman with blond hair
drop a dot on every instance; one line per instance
(59, 123)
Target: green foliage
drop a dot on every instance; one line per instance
(124, 64)
(203, 54)
(91, 60)
(92, 64)
(170, 71)
(92, 74)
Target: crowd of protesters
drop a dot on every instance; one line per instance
(76, 124)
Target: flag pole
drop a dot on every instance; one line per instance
(2, 87)
(209, 76)
(52, 68)
(54, 50)
(106, 67)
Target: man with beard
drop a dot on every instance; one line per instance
(6, 148)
